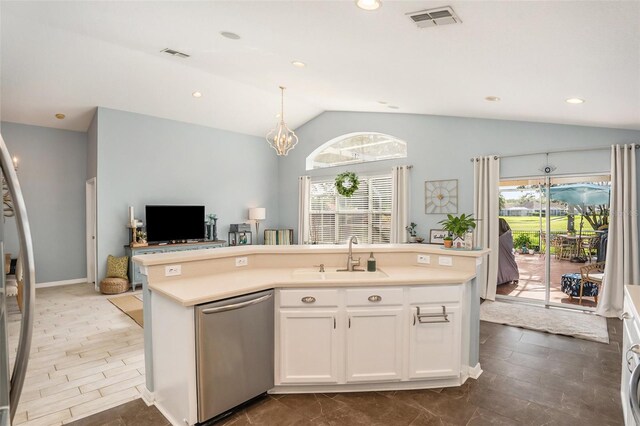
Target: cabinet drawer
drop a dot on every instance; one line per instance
(309, 298)
(435, 294)
(376, 296)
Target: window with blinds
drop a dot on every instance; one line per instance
(366, 214)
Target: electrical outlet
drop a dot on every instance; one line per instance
(242, 261)
(423, 258)
(445, 260)
(172, 270)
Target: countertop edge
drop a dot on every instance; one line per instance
(225, 252)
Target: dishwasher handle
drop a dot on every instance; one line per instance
(237, 305)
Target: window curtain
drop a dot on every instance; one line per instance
(486, 172)
(621, 265)
(304, 184)
(399, 204)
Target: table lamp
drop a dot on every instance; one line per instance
(257, 214)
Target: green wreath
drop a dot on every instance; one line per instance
(347, 184)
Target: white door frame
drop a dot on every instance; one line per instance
(91, 231)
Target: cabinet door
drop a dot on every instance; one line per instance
(374, 344)
(434, 345)
(308, 346)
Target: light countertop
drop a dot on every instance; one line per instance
(209, 275)
(193, 291)
(634, 294)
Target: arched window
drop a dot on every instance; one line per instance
(353, 148)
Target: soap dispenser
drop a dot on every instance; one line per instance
(371, 263)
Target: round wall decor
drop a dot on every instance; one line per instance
(347, 184)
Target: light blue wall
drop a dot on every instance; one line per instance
(441, 148)
(92, 148)
(146, 160)
(52, 174)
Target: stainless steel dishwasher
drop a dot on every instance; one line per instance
(234, 352)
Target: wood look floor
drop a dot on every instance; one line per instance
(529, 378)
(86, 356)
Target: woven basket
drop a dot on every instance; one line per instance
(114, 285)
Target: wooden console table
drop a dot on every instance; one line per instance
(134, 271)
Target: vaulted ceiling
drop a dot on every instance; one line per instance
(69, 57)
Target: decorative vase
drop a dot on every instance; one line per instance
(468, 241)
(448, 243)
(412, 239)
(215, 230)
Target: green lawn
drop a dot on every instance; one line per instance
(532, 223)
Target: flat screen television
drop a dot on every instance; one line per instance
(174, 223)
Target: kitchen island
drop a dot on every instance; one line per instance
(413, 324)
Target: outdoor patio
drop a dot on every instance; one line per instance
(531, 284)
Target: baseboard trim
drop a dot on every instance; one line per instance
(147, 396)
(475, 372)
(63, 282)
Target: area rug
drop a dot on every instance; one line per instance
(130, 305)
(556, 321)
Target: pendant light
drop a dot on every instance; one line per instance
(282, 139)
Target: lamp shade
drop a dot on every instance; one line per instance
(257, 213)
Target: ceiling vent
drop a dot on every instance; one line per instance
(434, 17)
(175, 53)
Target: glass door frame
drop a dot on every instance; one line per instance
(546, 180)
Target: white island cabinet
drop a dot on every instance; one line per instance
(308, 343)
(367, 338)
(411, 325)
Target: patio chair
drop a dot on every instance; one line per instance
(587, 281)
(590, 247)
(564, 248)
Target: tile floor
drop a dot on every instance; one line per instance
(530, 378)
(86, 356)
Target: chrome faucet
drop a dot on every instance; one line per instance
(350, 262)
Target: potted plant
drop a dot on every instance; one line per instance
(522, 241)
(411, 229)
(448, 241)
(458, 226)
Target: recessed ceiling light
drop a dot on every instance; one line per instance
(368, 4)
(382, 102)
(393, 107)
(196, 94)
(60, 116)
(230, 35)
(575, 101)
(492, 99)
(298, 64)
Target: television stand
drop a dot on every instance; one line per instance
(135, 278)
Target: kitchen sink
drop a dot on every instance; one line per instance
(312, 274)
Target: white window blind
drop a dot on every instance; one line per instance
(366, 214)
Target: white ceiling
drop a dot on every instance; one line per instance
(73, 56)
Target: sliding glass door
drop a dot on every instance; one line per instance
(557, 229)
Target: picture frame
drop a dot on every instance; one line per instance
(436, 236)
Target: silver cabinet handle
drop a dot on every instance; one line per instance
(334, 323)
(633, 394)
(626, 315)
(26, 249)
(432, 318)
(236, 305)
(375, 298)
(308, 299)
